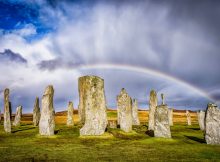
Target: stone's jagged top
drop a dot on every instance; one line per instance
(212, 105)
(212, 125)
(6, 91)
(152, 107)
(91, 77)
(49, 90)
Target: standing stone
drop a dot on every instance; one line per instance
(162, 126)
(69, 121)
(135, 118)
(152, 107)
(0, 116)
(7, 116)
(201, 119)
(112, 124)
(188, 117)
(170, 115)
(212, 125)
(17, 120)
(47, 123)
(124, 106)
(93, 104)
(36, 112)
(163, 99)
(82, 81)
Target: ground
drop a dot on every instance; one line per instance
(187, 144)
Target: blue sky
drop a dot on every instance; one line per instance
(170, 46)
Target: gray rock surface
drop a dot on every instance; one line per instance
(152, 107)
(212, 125)
(162, 127)
(93, 105)
(82, 82)
(188, 118)
(36, 112)
(124, 106)
(17, 120)
(170, 115)
(135, 118)
(47, 121)
(7, 115)
(201, 119)
(69, 121)
(163, 99)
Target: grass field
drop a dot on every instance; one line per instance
(187, 143)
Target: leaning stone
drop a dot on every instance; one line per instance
(212, 125)
(170, 114)
(188, 118)
(124, 105)
(7, 116)
(93, 104)
(36, 112)
(152, 107)
(47, 122)
(162, 127)
(17, 120)
(135, 118)
(112, 124)
(69, 121)
(201, 119)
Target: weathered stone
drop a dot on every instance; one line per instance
(112, 124)
(0, 116)
(163, 99)
(17, 120)
(7, 116)
(135, 118)
(162, 127)
(36, 112)
(212, 125)
(152, 107)
(201, 119)
(124, 106)
(170, 115)
(188, 117)
(93, 105)
(69, 121)
(82, 81)
(47, 122)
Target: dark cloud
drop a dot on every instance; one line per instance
(10, 56)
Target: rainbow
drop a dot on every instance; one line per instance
(146, 71)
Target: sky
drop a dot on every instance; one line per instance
(171, 46)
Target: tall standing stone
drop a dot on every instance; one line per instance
(152, 107)
(47, 122)
(17, 120)
(36, 112)
(188, 117)
(124, 106)
(135, 118)
(0, 116)
(69, 121)
(93, 105)
(212, 125)
(7, 116)
(82, 81)
(162, 126)
(170, 115)
(201, 119)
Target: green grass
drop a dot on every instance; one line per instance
(24, 144)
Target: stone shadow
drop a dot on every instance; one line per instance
(19, 130)
(150, 133)
(196, 139)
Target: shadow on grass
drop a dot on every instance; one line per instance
(56, 131)
(196, 139)
(20, 130)
(194, 128)
(150, 133)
